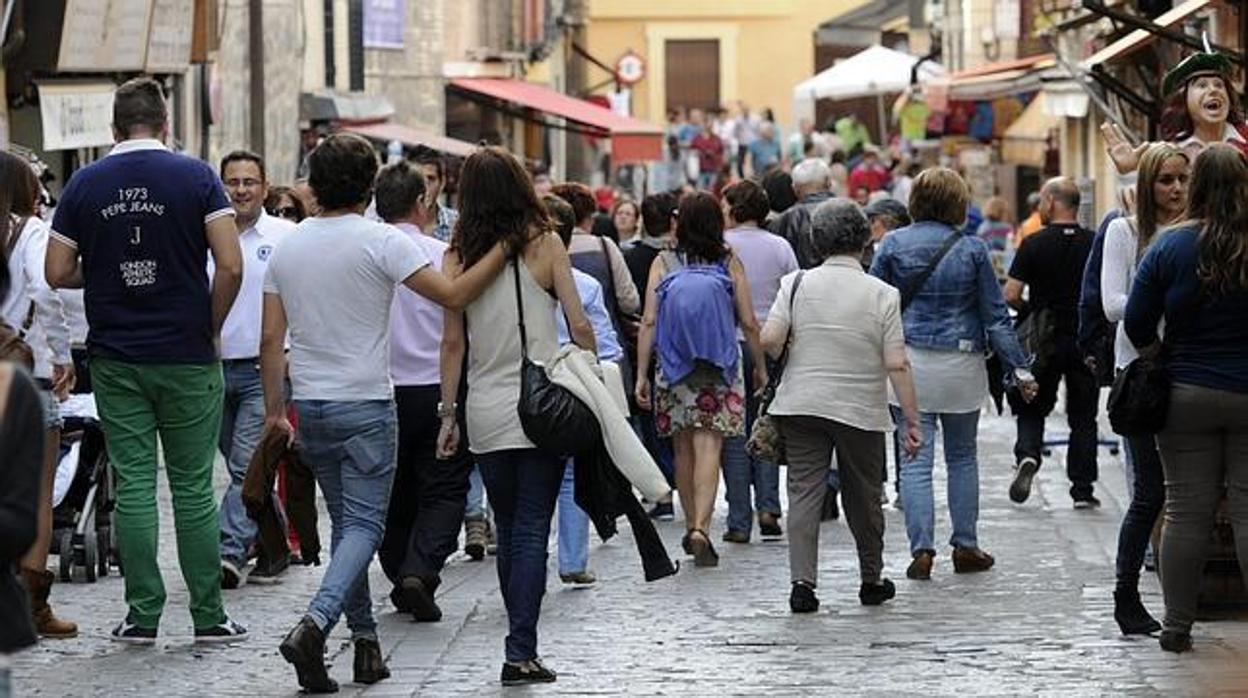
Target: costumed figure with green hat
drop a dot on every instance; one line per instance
(1201, 107)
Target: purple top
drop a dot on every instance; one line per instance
(767, 258)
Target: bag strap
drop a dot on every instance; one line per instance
(916, 284)
(788, 339)
(524, 336)
(15, 233)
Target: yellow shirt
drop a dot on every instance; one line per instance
(1027, 227)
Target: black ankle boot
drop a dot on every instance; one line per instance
(370, 666)
(304, 647)
(1132, 617)
(1176, 641)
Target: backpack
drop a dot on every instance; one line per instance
(696, 319)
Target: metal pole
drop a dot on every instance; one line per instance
(255, 53)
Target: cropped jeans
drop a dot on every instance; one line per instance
(351, 447)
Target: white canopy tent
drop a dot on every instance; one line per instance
(873, 72)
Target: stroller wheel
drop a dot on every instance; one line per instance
(66, 555)
(91, 558)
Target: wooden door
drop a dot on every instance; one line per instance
(692, 73)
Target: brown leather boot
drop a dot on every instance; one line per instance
(39, 585)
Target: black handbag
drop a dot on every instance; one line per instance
(1139, 400)
(554, 419)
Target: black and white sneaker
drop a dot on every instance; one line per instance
(1024, 473)
(225, 631)
(127, 631)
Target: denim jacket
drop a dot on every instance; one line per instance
(960, 307)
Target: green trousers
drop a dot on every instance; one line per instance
(181, 403)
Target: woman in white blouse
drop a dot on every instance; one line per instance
(1161, 197)
(847, 342)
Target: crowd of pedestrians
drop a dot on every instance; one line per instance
(386, 344)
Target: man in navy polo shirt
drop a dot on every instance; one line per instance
(134, 230)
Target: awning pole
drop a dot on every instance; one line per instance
(879, 113)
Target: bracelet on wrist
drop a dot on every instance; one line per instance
(445, 410)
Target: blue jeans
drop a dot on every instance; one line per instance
(523, 486)
(659, 448)
(351, 447)
(242, 424)
(475, 508)
(960, 433)
(742, 471)
(1148, 498)
(573, 531)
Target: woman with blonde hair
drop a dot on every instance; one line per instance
(1196, 277)
(1160, 200)
(996, 229)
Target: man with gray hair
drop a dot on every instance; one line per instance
(812, 182)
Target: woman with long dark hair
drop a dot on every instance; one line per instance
(696, 298)
(1196, 277)
(35, 309)
(497, 204)
(1160, 201)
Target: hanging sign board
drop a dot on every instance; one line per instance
(169, 41)
(105, 35)
(76, 114)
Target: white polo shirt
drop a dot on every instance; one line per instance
(240, 335)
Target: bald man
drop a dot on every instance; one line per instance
(1049, 266)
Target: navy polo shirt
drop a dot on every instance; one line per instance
(138, 219)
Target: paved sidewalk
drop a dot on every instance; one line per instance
(1040, 622)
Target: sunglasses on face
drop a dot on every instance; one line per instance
(287, 212)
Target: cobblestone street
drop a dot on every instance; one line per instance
(1039, 623)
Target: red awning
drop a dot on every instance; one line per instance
(412, 137)
(632, 140)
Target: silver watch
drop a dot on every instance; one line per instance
(445, 410)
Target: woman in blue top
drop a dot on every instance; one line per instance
(698, 400)
(1196, 277)
(950, 320)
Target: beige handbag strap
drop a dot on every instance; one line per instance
(6, 381)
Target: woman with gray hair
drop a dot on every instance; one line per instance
(843, 330)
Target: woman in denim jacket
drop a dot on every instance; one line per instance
(950, 321)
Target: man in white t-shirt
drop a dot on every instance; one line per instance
(331, 286)
(242, 417)
(427, 500)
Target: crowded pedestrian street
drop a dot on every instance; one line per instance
(1040, 623)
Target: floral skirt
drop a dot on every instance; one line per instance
(701, 400)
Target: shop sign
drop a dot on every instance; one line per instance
(630, 68)
(169, 42)
(105, 35)
(76, 115)
(384, 23)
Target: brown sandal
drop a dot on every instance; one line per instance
(704, 554)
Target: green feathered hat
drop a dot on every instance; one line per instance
(1203, 63)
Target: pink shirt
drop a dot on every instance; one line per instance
(416, 323)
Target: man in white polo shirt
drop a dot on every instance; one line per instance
(242, 419)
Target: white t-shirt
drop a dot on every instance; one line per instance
(416, 323)
(336, 278)
(240, 335)
(48, 334)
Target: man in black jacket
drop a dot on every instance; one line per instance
(812, 182)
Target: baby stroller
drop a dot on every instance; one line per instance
(82, 519)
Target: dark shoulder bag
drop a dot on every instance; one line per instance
(765, 442)
(1139, 400)
(554, 419)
